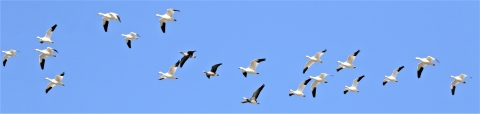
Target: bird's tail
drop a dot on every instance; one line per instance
(417, 58)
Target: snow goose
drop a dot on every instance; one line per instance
(8, 54)
(299, 91)
(353, 88)
(54, 82)
(188, 54)
(166, 17)
(252, 69)
(45, 53)
(130, 37)
(311, 60)
(171, 73)
(349, 62)
(317, 80)
(107, 17)
(213, 71)
(456, 80)
(48, 35)
(253, 99)
(393, 77)
(423, 62)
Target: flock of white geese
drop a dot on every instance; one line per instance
(251, 69)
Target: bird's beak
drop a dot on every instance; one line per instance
(331, 75)
(18, 51)
(55, 50)
(139, 35)
(176, 10)
(437, 60)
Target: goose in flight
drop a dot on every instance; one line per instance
(252, 69)
(107, 17)
(167, 17)
(54, 82)
(213, 71)
(393, 77)
(130, 37)
(353, 88)
(8, 54)
(299, 91)
(311, 60)
(48, 35)
(253, 99)
(317, 80)
(349, 62)
(171, 73)
(188, 54)
(45, 53)
(456, 80)
(423, 62)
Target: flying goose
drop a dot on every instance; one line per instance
(299, 91)
(253, 99)
(188, 54)
(317, 80)
(45, 53)
(311, 60)
(48, 35)
(456, 80)
(423, 62)
(54, 82)
(166, 17)
(171, 73)
(353, 88)
(8, 54)
(349, 62)
(130, 37)
(393, 77)
(107, 17)
(213, 71)
(252, 68)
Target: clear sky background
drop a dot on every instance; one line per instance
(103, 75)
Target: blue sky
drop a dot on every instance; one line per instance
(103, 75)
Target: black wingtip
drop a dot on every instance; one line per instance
(244, 74)
(4, 62)
(453, 90)
(384, 83)
(53, 27)
(176, 64)
(306, 81)
(400, 69)
(419, 72)
(360, 78)
(345, 92)
(356, 53)
(314, 92)
(63, 73)
(324, 51)
(305, 70)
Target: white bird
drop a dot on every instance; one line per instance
(166, 17)
(393, 77)
(252, 69)
(129, 37)
(423, 62)
(213, 71)
(53, 82)
(8, 54)
(299, 91)
(45, 53)
(171, 73)
(353, 88)
(107, 17)
(311, 60)
(317, 80)
(253, 99)
(349, 62)
(47, 38)
(188, 54)
(456, 80)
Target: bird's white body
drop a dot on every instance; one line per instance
(393, 77)
(253, 99)
(48, 35)
(348, 63)
(54, 82)
(250, 101)
(354, 86)
(318, 79)
(456, 80)
(171, 73)
(314, 59)
(252, 69)
(9, 53)
(131, 36)
(108, 16)
(168, 16)
(299, 91)
(424, 62)
(45, 53)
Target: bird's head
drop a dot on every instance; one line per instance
(310, 76)
(160, 72)
(241, 68)
(346, 87)
(204, 72)
(39, 37)
(339, 62)
(307, 56)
